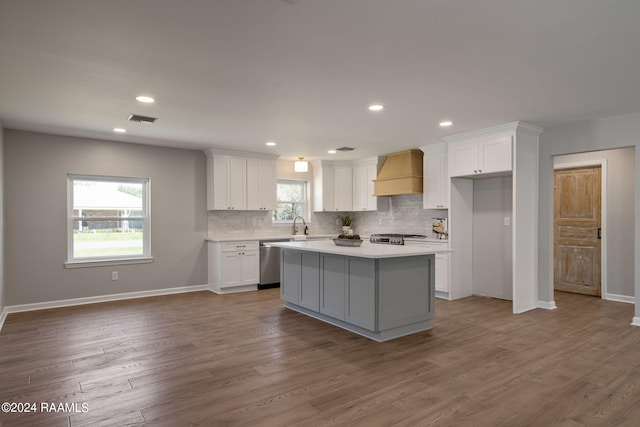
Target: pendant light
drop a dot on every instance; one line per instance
(301, 165)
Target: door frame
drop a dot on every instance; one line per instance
(604, 294)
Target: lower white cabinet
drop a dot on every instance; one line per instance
(234, 266)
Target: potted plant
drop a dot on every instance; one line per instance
(346, 223)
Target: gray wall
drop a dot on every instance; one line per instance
(594, 135)
(36, 167)
(2, 291)
(492, 240)
(619, 221)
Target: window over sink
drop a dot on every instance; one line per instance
(291, 201)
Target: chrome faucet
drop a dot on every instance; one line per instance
(295, 229)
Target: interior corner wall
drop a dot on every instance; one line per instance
(35, 200)
(620, 215)
(492, 239)
(593, 135)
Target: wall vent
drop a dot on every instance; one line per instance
(141, 119)
(345, 149)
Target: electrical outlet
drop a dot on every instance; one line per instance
(507, 220)
(114, 275)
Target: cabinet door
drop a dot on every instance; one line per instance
(218, 183)
(254, 186)
(310, 281)
(323, 192)
(237, 186)
(268, 185)
(250, 268)
(361, 293)
(360, 188)
(332, 285)
(463, 158)
(494, 154)
(290, 276)
(343, 188)
(442, 272)
(231, 269)
(261, 184)
(435, 190)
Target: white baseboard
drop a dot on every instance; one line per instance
(547, 305)
(636, 321)
(3, 316)
(620, 298)
(101, 298)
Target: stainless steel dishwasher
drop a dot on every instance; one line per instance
(270, 264)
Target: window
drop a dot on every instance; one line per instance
(291, 200)
(108, 220)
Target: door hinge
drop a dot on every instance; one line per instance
(599, 233)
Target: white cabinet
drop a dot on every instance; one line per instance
(240, 183)
(483, 155)
(226, 183)
(343, 188)
(233, 266)
(436, 186)
(364, 172)
(261, 185)
(347, 186)
(332, 186)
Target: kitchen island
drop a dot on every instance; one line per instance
(379, 291)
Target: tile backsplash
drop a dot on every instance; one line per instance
(405, 215)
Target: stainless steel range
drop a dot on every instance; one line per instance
(393, 239)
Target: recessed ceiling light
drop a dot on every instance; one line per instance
(145, 99)
(119, 130)
(271, 143)
(331, 151)
(376, 107)
(446, 123)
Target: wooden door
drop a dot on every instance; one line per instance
(577, 230)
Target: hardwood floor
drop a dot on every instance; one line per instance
(242, 359)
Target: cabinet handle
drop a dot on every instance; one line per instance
(479, 170)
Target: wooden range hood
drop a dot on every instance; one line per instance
(401, 173)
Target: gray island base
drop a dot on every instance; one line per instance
(381, 292)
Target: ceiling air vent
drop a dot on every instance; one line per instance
(345, 149)
(141, 119)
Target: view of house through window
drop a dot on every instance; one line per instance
(291, 200)
(108, 218)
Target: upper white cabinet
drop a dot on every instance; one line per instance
(480, 155)
(261, 185)
(323, 186)
(364, 172)
(343, 187)
(226, 183)
(240, 183)
(332, 186)
(436, 179)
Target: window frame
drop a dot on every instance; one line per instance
(145, 218)
(307, 201)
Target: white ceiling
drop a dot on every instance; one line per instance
(237, 73)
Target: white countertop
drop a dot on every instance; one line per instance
(367, 250)
(264, 238)
(309, 237)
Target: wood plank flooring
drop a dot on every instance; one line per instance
(242, 359)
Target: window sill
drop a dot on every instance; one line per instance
(96, 263)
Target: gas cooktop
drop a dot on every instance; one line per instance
(393, 238)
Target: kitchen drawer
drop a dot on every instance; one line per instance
(243, 245)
